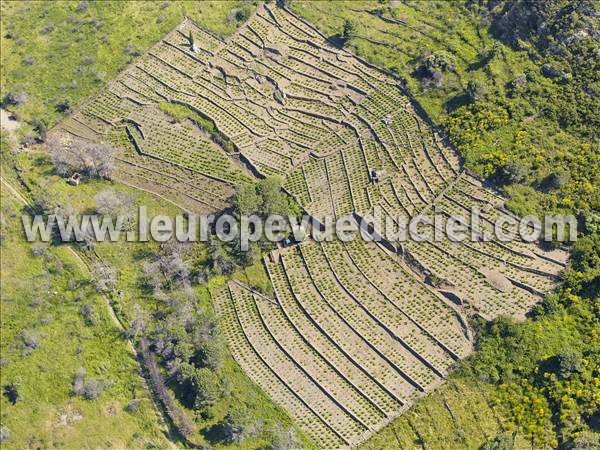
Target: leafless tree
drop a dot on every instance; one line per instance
(139, 322)
(105, 277)
(112, 203)
(92, 159)
(169, 267)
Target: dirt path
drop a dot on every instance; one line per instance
(16, 193)
(83, 265)
(85, 268)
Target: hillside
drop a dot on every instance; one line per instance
(323, 108)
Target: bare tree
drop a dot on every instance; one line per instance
(239, 424)
(112, 203)
(11, 391)
(133, 406)
(60, 157)
(89, 389)
(105, 277)
(139, 322)
(169, 267)
(99, 160)
(92, 159)
(39, 248)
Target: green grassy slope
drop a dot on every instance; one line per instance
(56, 52)
(64, 51)
(460, 414)
(42, 299)
(43, 45)
(129, 293)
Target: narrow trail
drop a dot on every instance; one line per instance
(86, 269)
(83, 265)
(16, 193)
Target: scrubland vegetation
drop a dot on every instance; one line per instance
(160, 297)
(515, 86)
(67, 375)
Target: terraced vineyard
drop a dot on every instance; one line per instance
(356, 332)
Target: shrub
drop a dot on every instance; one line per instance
(114, 204)
(82, 6)
(38, 249)
(92, 389)
(514, 172)
(14, 99)
(285, 439)
(4, 434)
(79, 381)
(88, 314)
(131, 50)
(239, 15)
(46, 319)
(439, 61)
(28, 139)
(569, 362)
(222, 264)
(63, 107)
(40, 128)
(89, 389)
(556, 180)
(238, 424)
(247, 201)
(213, 352)
(11, 391)
(348, 29)
(500, 442)
(30, 341)
(28, 60)
(133, 406)
(48, 28)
